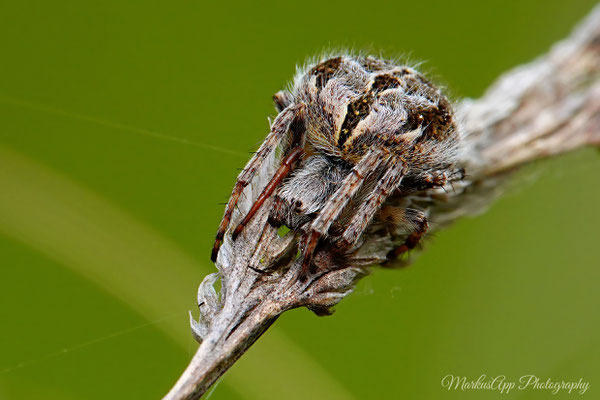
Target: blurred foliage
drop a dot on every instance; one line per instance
(123, 124)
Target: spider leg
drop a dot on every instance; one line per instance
(277, 211)
(284, 169)
(395, 169)
(278, 132)
(336, 203)
(418, 221)
(282, 99)
(431, 179)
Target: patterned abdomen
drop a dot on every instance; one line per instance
(355, 103)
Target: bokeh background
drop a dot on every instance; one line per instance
(122, 125)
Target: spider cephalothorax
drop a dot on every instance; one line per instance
(353, 131)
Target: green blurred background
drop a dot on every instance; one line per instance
(122, 125)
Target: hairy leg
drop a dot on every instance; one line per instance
(278, 132)
(417, 221)
(431, 179)
(395, 169)
(282, 100)
(276, 215)
(336, 203)
(287, 164)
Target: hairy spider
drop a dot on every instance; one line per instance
(352, 131)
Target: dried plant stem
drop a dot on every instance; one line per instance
(538, 110)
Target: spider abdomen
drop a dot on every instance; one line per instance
(356, 103)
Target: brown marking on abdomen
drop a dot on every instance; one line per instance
(325, 70)
(360, 108)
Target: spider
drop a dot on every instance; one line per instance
(352, 131)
